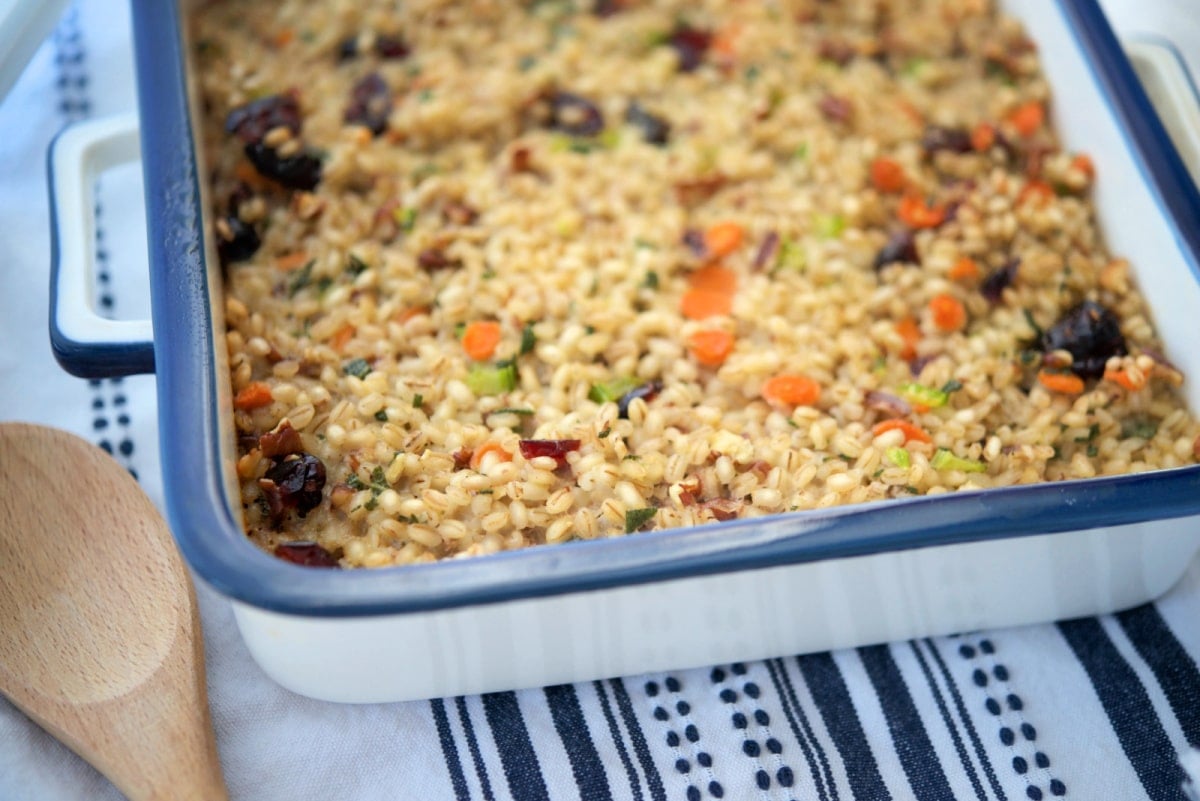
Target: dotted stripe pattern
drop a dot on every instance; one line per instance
(748, 716)
(992, 678)
(110, 412)
(691, 759)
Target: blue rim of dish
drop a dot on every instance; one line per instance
(85, 359)
(217, 549)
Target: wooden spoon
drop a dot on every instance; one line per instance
(100, 643)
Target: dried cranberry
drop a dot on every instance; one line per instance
(655, 129)
(459, 213)
(294, 483)
(555, 448)
(306, 554)
(301, 171)
(391, 47)
(606, 8)
(647, 392)
(690, 46)
(954, 140)
(901, 248)
(236, 240)
(370, 103)
(348, 48)
(766, 251)
(693, 239)
(1091, 333)
(575, 115)
(836, 50)
(250, 122)
(999, 280)
(836, 109)
(433, 259)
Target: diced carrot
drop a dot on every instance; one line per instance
(983, 137)
(948, 312)
(291, 261)
(480, 339)
(284, 37)
(916, 213)
(1066, 383)
(910, 111)
(254, 395)
(723, 238)
(714, 278)
(404, 315)
(887, 175)
(341, 337)
(1130, 381)
(1028, 118)
(1035, 191)
(911, 430)
(483, 450)
(1083, 162)
(965, 269)
(697, 304)
(791, 389)
(910, 332)
(711, 347)
(724, 41)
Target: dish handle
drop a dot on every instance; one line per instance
(1171, 88)
(86, 343)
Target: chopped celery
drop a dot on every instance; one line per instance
(829, 226)
(899, 457)
(923, 395)
(501, 377)
(945, 460)
(612, 391)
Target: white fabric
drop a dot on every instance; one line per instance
(275, 745)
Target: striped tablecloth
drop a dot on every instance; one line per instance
(1093, 709)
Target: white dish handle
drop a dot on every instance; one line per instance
(1173, 92)
(86, 343)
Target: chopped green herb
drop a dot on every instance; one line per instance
(644, 244)
(923, 395)
(899, 457)
(801, 152)
(381, 416)
(1093, 432)
(751, 73)
(636, 518)
(378, 478)
(953, 385)
(513, 410)
(791, 256)
(1037, 330)
(1140, 427)
(355, 265)
(1092, 450)
(528, 340)
(485, 492)
(406, 218)
(604, 434)
(526, 63)
(425, 95)
(651, 280)
(612, 391)
(355, 483)
(371, 503)
(418, 401)
(301, 279)
(910, 489)
(488, 273)
(502, 377)
(945, 460)
(323, 284)
(913, 67)
(359, 368)
(460, 328)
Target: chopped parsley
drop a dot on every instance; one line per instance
(636, 518)
(359, 368)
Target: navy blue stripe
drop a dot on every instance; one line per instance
(653, 780)
(909, 738)
(1128, 708)
(951, 727)
(520, 762)
(449, 750)
(833, 702)
(464, 715)
(635, 783)
(793, 713)
(576, 738)
(976, 743)
(1171, 664)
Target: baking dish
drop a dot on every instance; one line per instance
(743, 589)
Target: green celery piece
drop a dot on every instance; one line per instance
(493, 380)
(945, 460)
(612, 391)
(923, 395)
(899, 457)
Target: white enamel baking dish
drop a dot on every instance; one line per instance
(664, 600)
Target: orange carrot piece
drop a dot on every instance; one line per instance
(711, 347)
(1125, 379)
(254, 395)
(1066, 383)
(1028, 118)
(1036, 191)
(916, 213)
(1083, 162)
(887, 175)
(791, 389)
(983, 137)
(910, 332)
(291, 261)
(404, 315)
(697, 304)
(965, 269)
(911, 430)
(723, 238)
(480, 339)
(486, 448)
(724, 41)
(948, 312)
(714, 278)
(284, 37)
(341, 337)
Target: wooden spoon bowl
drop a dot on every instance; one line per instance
(101, 641)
